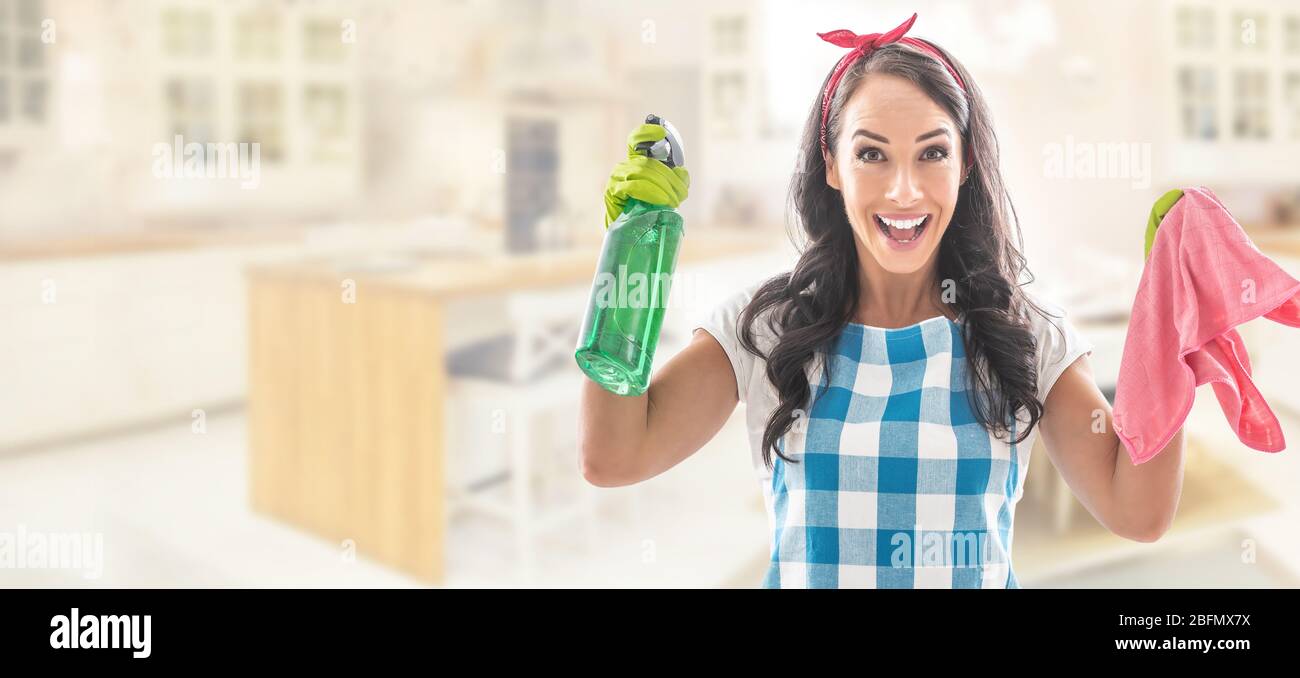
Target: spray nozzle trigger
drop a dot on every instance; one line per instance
(668, 150)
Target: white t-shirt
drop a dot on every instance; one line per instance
(1055, 353)
(891, 450)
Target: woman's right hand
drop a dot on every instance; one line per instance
(627, 439)
(644, 178)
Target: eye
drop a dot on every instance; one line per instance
(870, 154)
(935, 153)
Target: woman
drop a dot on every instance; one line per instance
(880, 374)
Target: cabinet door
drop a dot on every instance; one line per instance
(99, 343)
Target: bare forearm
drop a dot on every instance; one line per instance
(1135, 502)
(1146, 496)
(628, 439)
(612, 428)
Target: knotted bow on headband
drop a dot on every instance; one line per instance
(864, 45)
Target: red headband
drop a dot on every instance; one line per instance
(864, 45)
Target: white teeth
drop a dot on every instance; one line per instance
(903, 224)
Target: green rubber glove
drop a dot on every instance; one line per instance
(643, 178)
(1158, 212)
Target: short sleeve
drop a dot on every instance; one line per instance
(1059, 344)
(723, 324)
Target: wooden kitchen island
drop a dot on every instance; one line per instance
(346, 399)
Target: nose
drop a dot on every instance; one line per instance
(902, 190)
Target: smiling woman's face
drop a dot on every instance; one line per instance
(898, 166)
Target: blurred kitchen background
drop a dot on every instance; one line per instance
(349, 362)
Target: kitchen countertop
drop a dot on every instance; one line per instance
(132, 242)
(441, 273)
(1277, 241)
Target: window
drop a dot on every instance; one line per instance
(257, 36)
(323, 41)
(1196, 91)
(1195, 28)
(277, 74)
(1249, 31)
(729, 35)
(24, 64)
(728, 101)
(1250, 116)
(33, 98)
(261, 118)
(1241, 87)
(190, 110)
(187, 32)
(325, 106)
(1293, 102)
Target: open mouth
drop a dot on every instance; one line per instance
(903, 230)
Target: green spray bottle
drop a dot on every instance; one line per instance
(630, 292)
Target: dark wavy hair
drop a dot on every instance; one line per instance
(810, 305)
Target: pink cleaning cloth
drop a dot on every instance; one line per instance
(1204, 277)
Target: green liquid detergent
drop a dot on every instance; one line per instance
(630, 292)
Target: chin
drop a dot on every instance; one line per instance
(897, 267)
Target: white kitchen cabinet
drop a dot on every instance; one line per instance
(1231, 84)
(103, 342)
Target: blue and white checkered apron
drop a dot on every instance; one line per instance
(896, 484)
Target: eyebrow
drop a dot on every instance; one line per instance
(872, 135)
